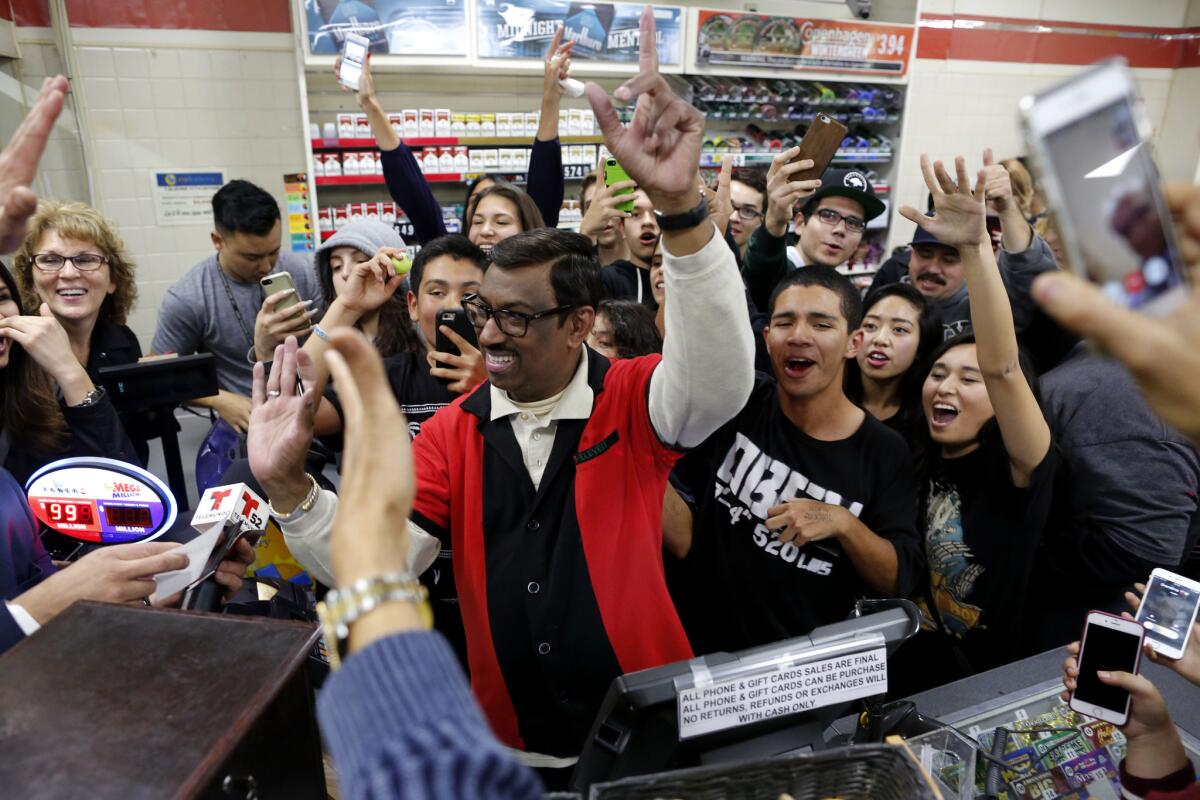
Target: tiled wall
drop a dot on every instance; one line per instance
(61, 173)
(199, 100)
(959, 107)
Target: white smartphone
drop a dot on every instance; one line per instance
(1168, 611)
(1113, 644)
(354, 56)
(1088, 139)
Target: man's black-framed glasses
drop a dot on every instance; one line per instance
(747, 213)
(510, 323)
(832, 218)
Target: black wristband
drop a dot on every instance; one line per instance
(686, 220)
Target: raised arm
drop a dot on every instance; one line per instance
(405, 181)
(704, 379)
(959, 221)
(545, 181)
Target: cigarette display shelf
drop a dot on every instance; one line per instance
(447, 141)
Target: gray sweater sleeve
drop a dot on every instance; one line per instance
(1019, 271)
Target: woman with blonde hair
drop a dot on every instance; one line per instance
(73, 267)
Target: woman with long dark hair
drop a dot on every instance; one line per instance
(898, 332)
(988, 467)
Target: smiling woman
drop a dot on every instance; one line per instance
(73, 267)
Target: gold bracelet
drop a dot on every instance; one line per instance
(342, 607)
(310, 500)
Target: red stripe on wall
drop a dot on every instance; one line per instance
(31, 13)
(259, 16)
(1054, 42)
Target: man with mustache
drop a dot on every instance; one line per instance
(935, 270)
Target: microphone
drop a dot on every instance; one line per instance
(223, 515)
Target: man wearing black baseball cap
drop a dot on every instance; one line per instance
(830, 222)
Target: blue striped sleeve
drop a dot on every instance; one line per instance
(400, 722)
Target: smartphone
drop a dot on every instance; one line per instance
(354, 56)
(278, 282)
(1113, 644)
(615, 173)
(1089, 141)
(456, 320)
(1168, 611)
(820, 143)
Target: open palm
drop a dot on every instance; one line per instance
(959, 217)
(660, 148)
(281, 421)
(19, 162)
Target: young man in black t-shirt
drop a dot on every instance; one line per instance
(802, 503)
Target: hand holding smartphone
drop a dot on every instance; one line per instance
(456, 320)
(278, 282)
(820, 143)
(1088, 139)
(354, 56)
(615, 173)
(1168, 612)
(1109, 644)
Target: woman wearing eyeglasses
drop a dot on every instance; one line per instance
(74, 274)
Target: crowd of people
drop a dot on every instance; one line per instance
(674, 434)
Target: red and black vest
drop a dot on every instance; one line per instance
(561, 588)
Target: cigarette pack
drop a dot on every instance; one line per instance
(445, 159)
(397, 123)
(362, 127)
(491, 159)
(458, 124)
(477, 161)
(345, 126)
(428, 126)
(473, 125)
(462, 159)
(339, 217)
(429, 161)
(487, 124)
(442, 123)
(324, 219)
(531, 122)
(412, 124)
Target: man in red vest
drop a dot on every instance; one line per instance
(548, 479)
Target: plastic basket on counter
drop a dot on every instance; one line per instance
(859, 772)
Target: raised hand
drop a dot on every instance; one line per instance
(372, 283)
(47, 343)
(720, 203)
(281, 426)
(557, 65)
(603, 213)
(997, 184)
(783, 193)
(366, 84)
(660, 148)
(958, 217)
(19, 162)
(370, 532)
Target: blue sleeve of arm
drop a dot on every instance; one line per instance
(411, 191)
(400, 722)
(546, 179)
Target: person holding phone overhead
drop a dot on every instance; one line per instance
(407, 185)
(833, 212)
(987, 469)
